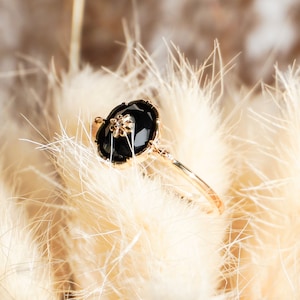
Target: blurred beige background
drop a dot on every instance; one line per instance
(258, 33)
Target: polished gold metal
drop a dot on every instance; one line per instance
(122, 125)
(96, 125)
(195, 180)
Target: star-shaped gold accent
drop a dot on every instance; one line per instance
(121, 125)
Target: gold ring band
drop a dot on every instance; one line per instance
(195, 180)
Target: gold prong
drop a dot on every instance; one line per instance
(96, 125)
(99, 120)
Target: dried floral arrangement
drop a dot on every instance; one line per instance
(189, 190)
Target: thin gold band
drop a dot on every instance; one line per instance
(202, 186)
(196, 181)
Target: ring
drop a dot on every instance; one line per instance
(131, 130)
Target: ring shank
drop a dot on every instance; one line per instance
(195, 180)
(202, 186)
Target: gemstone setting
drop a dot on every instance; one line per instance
(127, 131)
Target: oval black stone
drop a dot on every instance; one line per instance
(143, 127)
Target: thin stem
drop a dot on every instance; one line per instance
(76, 29)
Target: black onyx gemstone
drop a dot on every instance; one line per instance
(127, 131)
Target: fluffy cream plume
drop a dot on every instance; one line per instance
(25, 271)
(25, 262)
(266, 192)
(131, 237)
(31, 219)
